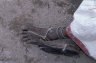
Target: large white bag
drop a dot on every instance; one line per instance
(83, 28)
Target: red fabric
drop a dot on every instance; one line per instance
(76, 40)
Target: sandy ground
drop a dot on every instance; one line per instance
(41, 13)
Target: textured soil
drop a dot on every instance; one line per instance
(41, 13)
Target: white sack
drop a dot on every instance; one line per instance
(83, 26)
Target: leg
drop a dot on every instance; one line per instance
(33, 35)
(48, 33)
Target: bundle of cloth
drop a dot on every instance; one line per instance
(83, 28)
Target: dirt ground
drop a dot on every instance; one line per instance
(41, 13)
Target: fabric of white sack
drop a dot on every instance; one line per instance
(83, 28)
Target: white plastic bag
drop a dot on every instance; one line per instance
(83, 28)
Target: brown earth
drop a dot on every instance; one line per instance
(41, 13)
